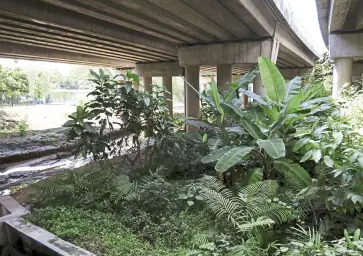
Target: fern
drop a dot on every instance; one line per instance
(124, 189)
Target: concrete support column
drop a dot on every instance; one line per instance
(168, 83)
(224, 75)
(191, 97)
(148, 83)
(257, 86)
(342, 74)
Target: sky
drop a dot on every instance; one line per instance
(305, 10)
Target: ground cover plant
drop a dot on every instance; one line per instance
(282, 176)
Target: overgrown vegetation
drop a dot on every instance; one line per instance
(282, 176)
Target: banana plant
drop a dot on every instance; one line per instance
(267, 122)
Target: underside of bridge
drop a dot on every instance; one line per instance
(341, 24)
(157, 37)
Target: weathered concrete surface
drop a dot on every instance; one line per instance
(168, 83)
(147, 80)
(192, 105)
(226, 53)
(159, 69)
(224, 75)
(346, 45)
(342, 74)
(141, 31)
(13, 229)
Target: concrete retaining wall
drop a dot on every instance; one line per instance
(16, 232)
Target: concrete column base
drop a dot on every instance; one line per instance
(342, 75)
(192, 101)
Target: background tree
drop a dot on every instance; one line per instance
(14, 83)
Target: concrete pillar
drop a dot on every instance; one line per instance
(148, 83)
(257, 86)
(191, 96)
(342, 74)
(224, 76)
(168, 83)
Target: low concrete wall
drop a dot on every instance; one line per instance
(17, 232)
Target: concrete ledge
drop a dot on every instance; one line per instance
(159, 69)
(224, 53)
(14, 230)
(39, 240)
(346, 45)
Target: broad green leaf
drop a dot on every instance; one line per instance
(275, 147)
(293, 103)
(69, 123)
(241, 83)
(272, 113)
(338, 137)
(254, 96)
(216, 154)
(307, 156)
(316, 155)
(293, 173)
(300, 143)
(328, 161)
(214, 94)
(357, 198)
(272, 80)
(231, 158)
(293, 87)
(205, 137)
(238, 116)
(256, 176)
(235, 129)
(77, 129)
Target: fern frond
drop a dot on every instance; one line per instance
(279, 213)
(259, 190)
(222, 203)
(258, 223)
(124, 189)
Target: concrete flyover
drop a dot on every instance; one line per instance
(159, 37)
(341, 24)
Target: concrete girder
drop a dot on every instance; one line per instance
(290, 73)
(112, 12)
(346, 46)
(342, 75)
(50, 15)
(338, 14)
(226, 53)
(216, 11)
(67, 36)
(159, 14)
(288, 42)
(254, 15)
(8, 49)
(159, 69)
(184, 11)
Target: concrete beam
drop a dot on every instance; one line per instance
(293, 44)
(290, 73)
(338, 14)
(159, 69)
(346, 45)
(31, 52)
(43, 13)
(254, 14)
(225, 53)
